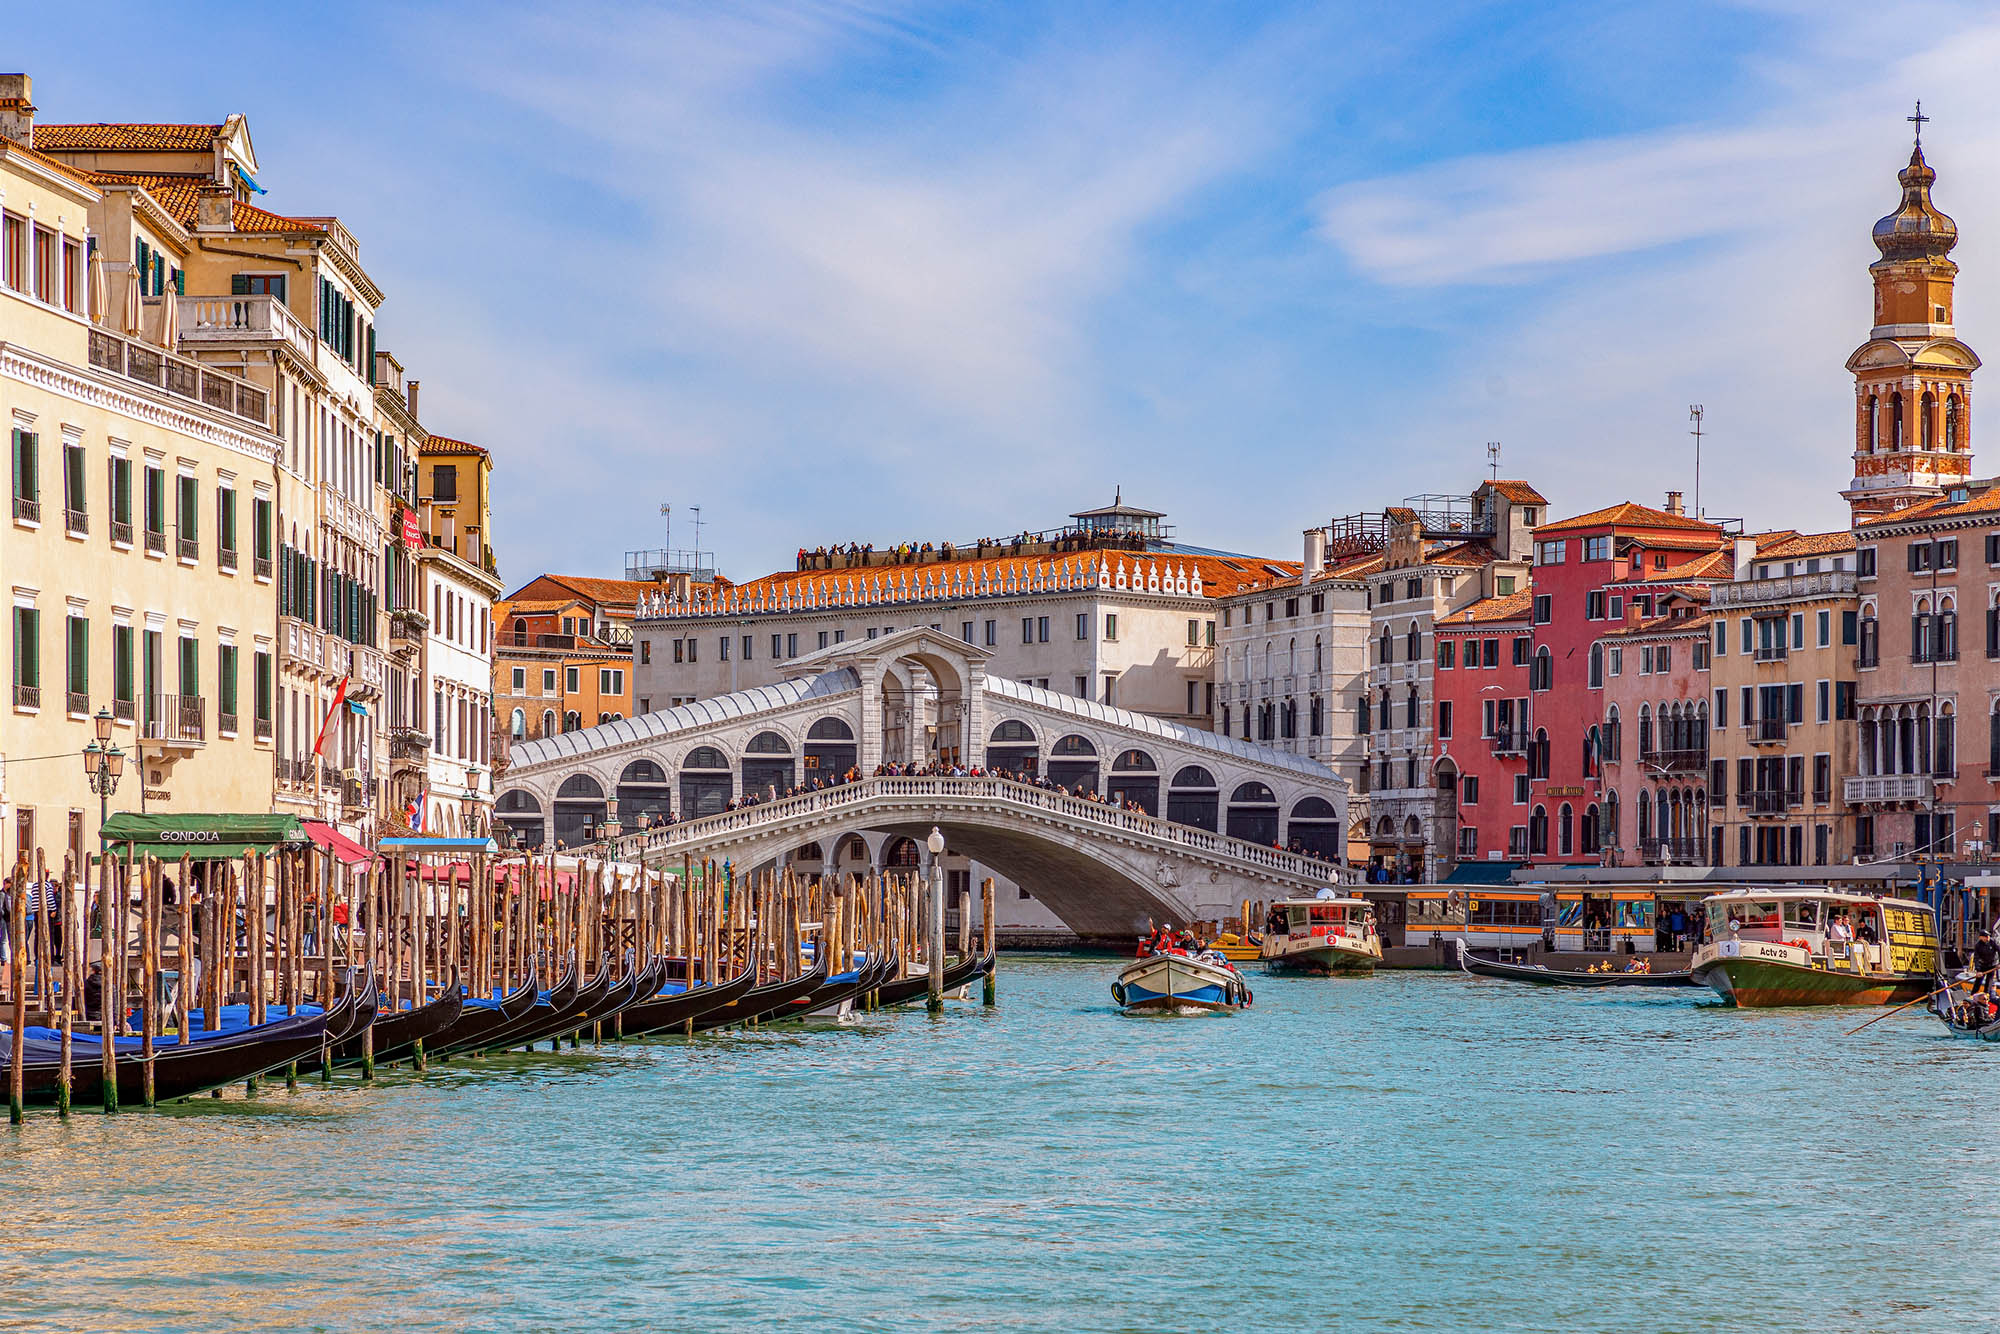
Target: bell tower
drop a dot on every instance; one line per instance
(1913, 377)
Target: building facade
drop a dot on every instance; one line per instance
(563, 657)
(1653, 748)
(134, 549)
(1481, 707)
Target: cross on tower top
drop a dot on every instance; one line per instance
(1918, 121)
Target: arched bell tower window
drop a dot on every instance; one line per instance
(1872, 433)
(1951, 424)
(1896, 421)
(1929, 428)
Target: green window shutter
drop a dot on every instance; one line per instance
(263, 687)
(77, 655)
(27, 646)
(371, 372)
(14, 459)
(180, 282)
(239, 284)
(225, 519)
(190, 668)
(121, 662)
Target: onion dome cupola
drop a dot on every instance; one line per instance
(1916, 230)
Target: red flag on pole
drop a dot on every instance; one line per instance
(339, 698)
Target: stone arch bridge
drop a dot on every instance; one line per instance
(1218, 818)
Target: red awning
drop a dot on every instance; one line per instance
(340, 845)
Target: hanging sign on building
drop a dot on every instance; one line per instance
(413, 534)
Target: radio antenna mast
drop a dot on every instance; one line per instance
(1493, 458)
(1694, 415)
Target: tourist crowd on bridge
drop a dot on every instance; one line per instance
(844, 555)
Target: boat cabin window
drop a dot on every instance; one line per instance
(1753, 920)
(1505, 912)
(1428, 910)
(1328, 912)
(1805, 914)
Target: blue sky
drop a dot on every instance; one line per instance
(883, 271)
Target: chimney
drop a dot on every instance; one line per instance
(1674, 505)
(215, 209)
(17, 109)
(1315, 553)
(410, 389)
(1744, 553)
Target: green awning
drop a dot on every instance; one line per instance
(1483, 873)
(171, 837)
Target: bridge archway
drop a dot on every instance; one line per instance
(1073, 763)
(580, 809)
(1013, 748)
(1193, 799)
(1315, 827)
(706, 787)
(767, 766)
(521, 814)
(830, 750)
(1253, 814)
(643, 789)
(1135, 778)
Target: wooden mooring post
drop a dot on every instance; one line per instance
(986, 938)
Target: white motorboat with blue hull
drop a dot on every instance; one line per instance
(1174, 983)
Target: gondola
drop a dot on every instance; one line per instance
(639, 982)
(482, 1016)
(836, 990)
(760, 1002)
(181, 1070)
(566, 1017)
(397, 1033)
(1554, 977)
(555, 1000)
(664, 1011)
(903, 990)
(1953, 1003)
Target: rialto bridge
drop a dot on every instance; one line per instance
(1217, 823)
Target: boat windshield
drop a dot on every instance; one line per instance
(1325, 912)
(1751, 919)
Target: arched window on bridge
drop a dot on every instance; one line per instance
(1012, 748)
(705, 784)
(1073, 764)
(580, 809)
(1191, 798)
(855, 851)
(1315, 827)
(767, 765)
(521, 815)
(1135, 778)
(643, 789)
(1253, 814)
(830, 750)
(902, 854)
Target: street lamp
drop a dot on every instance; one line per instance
(103, 765)
(936, 844)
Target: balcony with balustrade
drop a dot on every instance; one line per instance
(175, 721)
(1887, 789)
(1769, 731)
(258, 320)
(1774, 803)
(179, 377)
(1675, 760)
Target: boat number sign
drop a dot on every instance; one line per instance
(1757, 949)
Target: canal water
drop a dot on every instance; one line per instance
(1409, 1152)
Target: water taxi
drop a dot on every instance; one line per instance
(1329, 934)
(1176, 982)
(1771, 947)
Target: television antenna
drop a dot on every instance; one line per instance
(1493, 458)
(1694, 415)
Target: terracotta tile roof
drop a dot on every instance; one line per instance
(439, 444)
(1807, 544)
(1354, 567)
(1713, 565)
(1472, 554)
(10, 148)
(249, 218)
(1940, 507)
(953, 580)
(1628, 515)
(180, 196)
(1518, 492)
(606, 592)
(125, 138)
(1506, 607)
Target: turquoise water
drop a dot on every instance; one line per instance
(1408, 1152)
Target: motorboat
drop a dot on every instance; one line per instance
(1777, 947)
(1330, 934)
(1179, 982)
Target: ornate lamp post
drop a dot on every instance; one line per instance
(103, 765)
(936, 845)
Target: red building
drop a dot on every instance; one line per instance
(1587, 570)
(1481, 738)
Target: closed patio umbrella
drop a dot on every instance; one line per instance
(170, 319)
(132, 306)
(100, 288)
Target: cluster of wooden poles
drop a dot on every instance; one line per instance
(170, 943)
